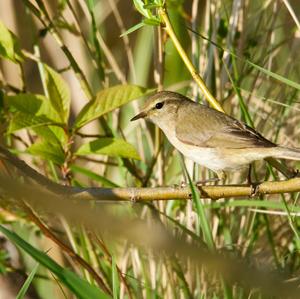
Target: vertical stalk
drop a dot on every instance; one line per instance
(210, 98)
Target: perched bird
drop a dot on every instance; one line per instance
(209, 137)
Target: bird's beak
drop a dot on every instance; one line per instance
(140, 115)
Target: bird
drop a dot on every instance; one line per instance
(208, 137)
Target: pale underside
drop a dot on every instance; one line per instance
(221, 159)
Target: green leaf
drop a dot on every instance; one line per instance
(32, 104)
(94, 176)
(139, 5)
(81, 288)
(27, 283)
(274, 75)
(109, 146)
(48, 151)
(152, 22)
(115, 279)
(4, 260)
(90, 4)
(51, 134)
(152, 5)
(133, 28)
(9, 47)
(27, 103)
(22, 120)
(59, 93)
(107, 100)
(30, 110)
(256, 66)
(204, 223)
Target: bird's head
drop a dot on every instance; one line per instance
(161, 107)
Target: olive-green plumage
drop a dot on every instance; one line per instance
(207, 136)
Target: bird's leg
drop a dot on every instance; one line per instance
(296, 173)
(249, 181)
(254, 186)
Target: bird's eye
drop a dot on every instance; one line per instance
(159, 105)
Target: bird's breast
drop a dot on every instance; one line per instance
(208, 157)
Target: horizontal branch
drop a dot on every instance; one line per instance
(150, 194)
(146, 234)
(167, 193)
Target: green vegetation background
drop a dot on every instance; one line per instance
(70, 76)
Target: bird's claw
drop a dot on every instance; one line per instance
(254, 189)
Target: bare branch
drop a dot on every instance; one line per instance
(150, 194)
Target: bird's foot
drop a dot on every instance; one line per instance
(254, 189)
(296, 173)
(180, 186)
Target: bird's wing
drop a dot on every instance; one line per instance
(205, 127)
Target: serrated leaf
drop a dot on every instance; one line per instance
(51, 134)
(81, 288)
(26, 103)
(47, 151)
(9, 47)
(22, 120)
(113, 147)
(59, 93)
(29, 111)
(32, 104)
(107, 100)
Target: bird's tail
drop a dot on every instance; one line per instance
(287, 153)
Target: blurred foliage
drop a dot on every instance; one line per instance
(70, 71)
